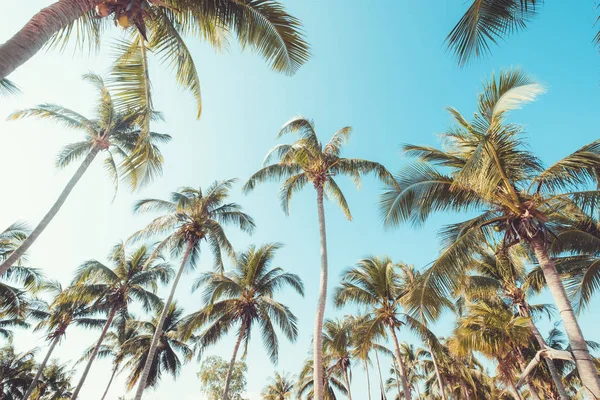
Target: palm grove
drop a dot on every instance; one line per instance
(526, 228)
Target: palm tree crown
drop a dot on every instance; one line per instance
(280, 387)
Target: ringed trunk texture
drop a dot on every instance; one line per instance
(317, 334)
(111, 316)
(110, 382)
(585, 365)
(41, 368)
(347, 379)
(232, 362)
(405, 387)
(368, 380)
(39, 30)
(163, 316)
(437, 374)
(20, 251)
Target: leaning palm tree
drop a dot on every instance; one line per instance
(487, 168)
(336, 342)
(280, 387)
(191, 217)
(113, 132)
(134, 277)
(244, 297)
(168, 352)
(308, 161)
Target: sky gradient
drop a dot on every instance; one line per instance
(380, 67)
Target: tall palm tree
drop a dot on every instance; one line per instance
(134, 277)
(264, 26)
(168, 352)
(15, 372)
(110, 131)
(488, 169)
(280, 387)
(190, 218)
(245, 297)
(336, 342)
(308, 161)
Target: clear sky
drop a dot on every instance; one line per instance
(378, 66)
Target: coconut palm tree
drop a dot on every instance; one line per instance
(264, 26)
(11, 238)
(245, 297)
(15, 372)
(168, 352)
(336, 342)
(280, 387)
(134, 277)
(114, 133)
(56, 383)
(190, 218)
(333, 381)
(308, 161)
(488, 168)
(412, 362)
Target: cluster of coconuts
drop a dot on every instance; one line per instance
(124, 10)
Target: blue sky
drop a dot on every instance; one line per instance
(380, 67)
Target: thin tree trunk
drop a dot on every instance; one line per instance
(513, 390)
(347, 379)
(232, 362)
(41, 368)
(368, 380)
(466, 390)
(562, 393)
(20, 251)
(397, 377)
(585, 365)
(111, 315)
(381, 387)
(39, 30)
(158, 332)
(400, 364)
(437, 374)
(317, 334)
(532, 390)
(112, 376)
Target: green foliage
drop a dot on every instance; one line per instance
(212, 378)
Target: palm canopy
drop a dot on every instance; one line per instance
(55, 383)
(11, 238)
(307, 160)
(192, 216)
(245, 296)
(15, 372)
(337, 338)
(332, 378)
(280, 387)
(486, 168)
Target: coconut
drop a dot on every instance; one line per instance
(103, 10)
(123, 20)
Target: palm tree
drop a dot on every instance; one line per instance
(375, 283)
(64, 311)
(280, 387)
(11, 238)
(336, 342)
(115, 133)
(411, 359)
(134, 277)
(191, 218)
(332, 381)
(490, 170)
(264, 26)
(15, 372)
(244, 296)
(56, 383)
(166, 359)
(308, 161)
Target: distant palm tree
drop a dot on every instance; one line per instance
(134, 277)
(308, 161)
(336, 342)
(487, 168)
(11, 238)
(15, 372)
(191, 218)
(244, 296)
(115, 133)
(280, 387)
(56, 383)
(333, 381)
(167, 359)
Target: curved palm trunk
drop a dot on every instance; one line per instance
(437, 374)
(232, 362)
(39, 30)
(585, 365)
(111, 315)
(158, 332)
(41, 369)
(347, 379)
(368, 380)
(397, 377)
(317, 334)
(20, 251)
(112, 376)
(400, 365)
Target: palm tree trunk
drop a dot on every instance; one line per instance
(437, 374)
(111, 315)
(110, 382)
(232, 362)
(20, 251)
(513, 390)
(466, 390)
(368, 380)
(317, 334)
(397, 377)
(585, 365)
(400, 365)
(347, 379)
(532, 390)
(381, 386)
(158, 332)
(41, 368)
(39, 30)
